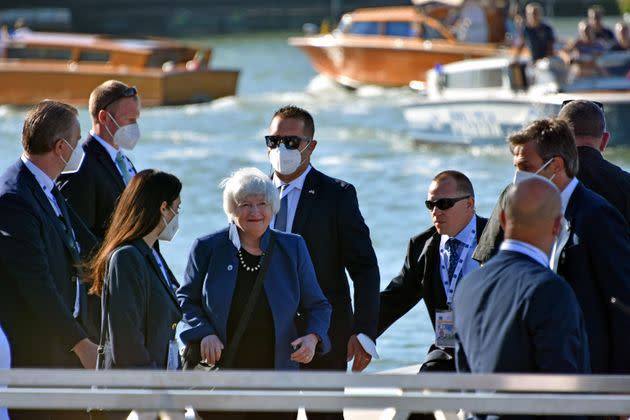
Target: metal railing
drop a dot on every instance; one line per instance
(321, 391)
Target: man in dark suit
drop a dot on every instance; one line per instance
(514, 314)
(325, 212)
(42, 300)
(94, 188)
(430, 271)
(588, 123)
(593, 249)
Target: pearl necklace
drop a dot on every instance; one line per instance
(245, 266)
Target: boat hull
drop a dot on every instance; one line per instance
(25, 84)
(383, 61)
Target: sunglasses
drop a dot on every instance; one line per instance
(290, 142)
(129, 92)
(443, 203)
(568, 101)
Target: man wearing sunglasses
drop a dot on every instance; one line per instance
(325, 212)
(592, 251)
(589, 127)
(436, 260)
(94, 186)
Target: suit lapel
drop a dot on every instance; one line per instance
(308, 196)
(106, 161)
(433, 279)
(156, 268)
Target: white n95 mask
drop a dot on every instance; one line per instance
(286, 161)
(171, 228)
(126, 136)
(74, 163)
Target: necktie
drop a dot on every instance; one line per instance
(65, 219)
(452, 246)
(121, 162)
(281, 217)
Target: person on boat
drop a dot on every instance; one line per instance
(582, 54)
(325, 212)
(431, 268)
(136, 287)
(622, 37)
(515, 315)
(472, 24)
(223, 271)
(94, 187)
(600, 32)
(537, 35)
(42, 293)
(593, 251)
(588, 123)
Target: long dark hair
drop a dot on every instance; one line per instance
(136, 215)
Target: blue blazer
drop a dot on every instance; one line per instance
(289, 284)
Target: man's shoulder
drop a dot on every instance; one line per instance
(329, 182)
(423, 237)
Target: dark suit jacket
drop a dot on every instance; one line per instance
(329, 220)
(94, 188)
(289, 284)
(596, 263)
(515, 316)
(143, 309)
(37, 275)
(606, 179)
(418, 279)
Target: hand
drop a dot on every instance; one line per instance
(305, 348)
(356, 351)
(86, 352)
(211, 348)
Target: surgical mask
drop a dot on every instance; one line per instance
(126, 136)
(74, 163)
(171, 228)
(286, 161)
(520, 176)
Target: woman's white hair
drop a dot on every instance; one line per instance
(245, 182)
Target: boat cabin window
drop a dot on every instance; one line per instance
(475, 79)
(364, 28)
(429, 32)
(39, 53)
(94, 56)
(404, 29)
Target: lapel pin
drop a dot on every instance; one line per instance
(311, 191)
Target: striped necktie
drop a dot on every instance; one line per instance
(121, 162)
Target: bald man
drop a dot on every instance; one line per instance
(514, 314)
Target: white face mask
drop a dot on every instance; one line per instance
(171, 228)
(74, 163)
(520, 176)
(126, 136)
(285, 161)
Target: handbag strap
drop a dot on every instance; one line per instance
(249, 306)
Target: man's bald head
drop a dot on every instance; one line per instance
(532, 213)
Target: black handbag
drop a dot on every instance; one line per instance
(191, 356)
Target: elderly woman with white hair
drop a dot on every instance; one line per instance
(222, 271)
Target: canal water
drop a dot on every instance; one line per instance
(361, 137)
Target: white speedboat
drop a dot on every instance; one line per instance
(482, 101)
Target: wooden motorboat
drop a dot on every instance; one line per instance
(391, 46)
(68, 66)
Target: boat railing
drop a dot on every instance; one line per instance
(322, 391)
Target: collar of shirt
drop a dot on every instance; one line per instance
(44, 182)
(565, 195)
(297, 183)
(526, 249)
(111, 150)
(463, 234)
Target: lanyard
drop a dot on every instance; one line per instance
(449, 288)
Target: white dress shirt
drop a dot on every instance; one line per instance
(292, 192)
(112, 152)
(469, 264)
(563, 236)
(526, 249)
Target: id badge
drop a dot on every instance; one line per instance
(172, 362)
(444, 328)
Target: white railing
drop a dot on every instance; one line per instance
(321, 391)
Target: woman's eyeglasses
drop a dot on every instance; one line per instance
(290, 142)
(444, 203)
(129, 92)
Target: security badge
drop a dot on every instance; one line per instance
(444, 328)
